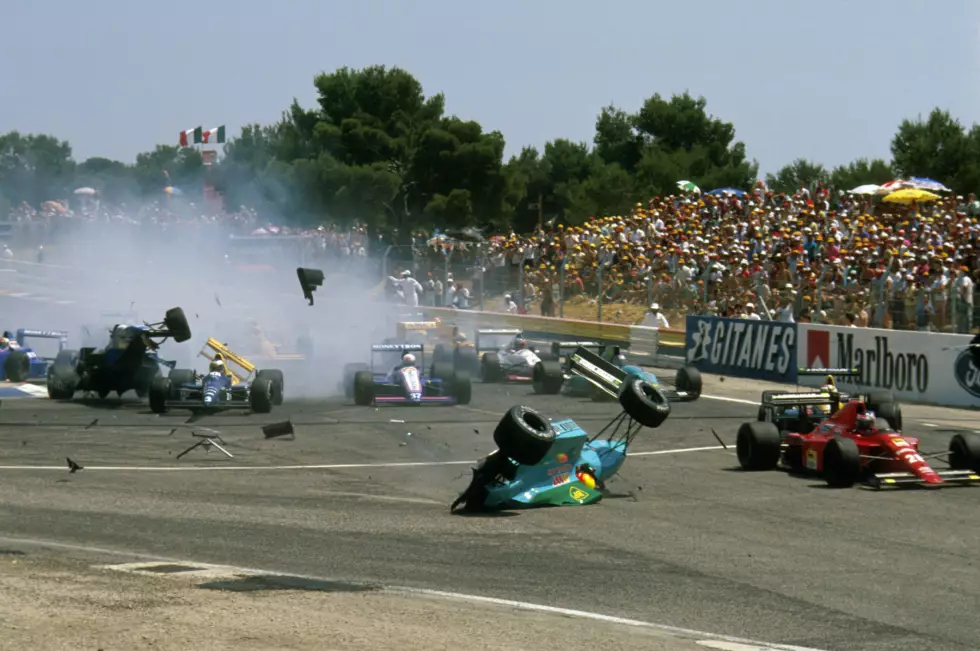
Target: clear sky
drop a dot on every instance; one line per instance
(827, 80)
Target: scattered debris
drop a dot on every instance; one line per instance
(217, 300)
(718, 438)
(72, 466)
(92, 424)
(276, 430)
(395, 420)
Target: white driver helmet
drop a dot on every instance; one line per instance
(408, 358)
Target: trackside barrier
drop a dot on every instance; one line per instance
(763, 350)
(648, 341)
(926, 367)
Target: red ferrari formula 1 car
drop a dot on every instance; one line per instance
(852, 446)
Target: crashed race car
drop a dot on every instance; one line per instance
(505, 356)
(854, 445)
(221, 388)
(607, 369)
(406, 381)
(128, 362)
(19, 362)
(540, 463)
(784, 409)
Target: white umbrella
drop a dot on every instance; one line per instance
(86, 191)
(869, 188)
(892, 186)
(688, 186)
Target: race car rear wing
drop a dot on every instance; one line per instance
(408, 348)
(495, 331)
(558, 348)
(24, 334)
(213, 348)
(604, 375)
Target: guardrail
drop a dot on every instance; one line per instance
(639, 339)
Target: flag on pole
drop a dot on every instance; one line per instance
(190, 135)
(218, 133)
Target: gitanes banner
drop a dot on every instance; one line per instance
(919, 366)
(764, 350)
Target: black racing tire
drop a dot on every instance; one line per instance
(176, 324)
(179, 376)
(350, 370)
(442, 354)
(645, 403)
(17, 366)
(160, 390)
(260, 396)
(688, 379)
(363, 388)
(758, 446)
(63, 376)
(441, 371)
(524, 435)
(145, 380)
(278, 383)
(465, 359)
(964, 452)
(462, 387)
(547, 378)
(875, 399)
(841, 463)
(490, 368)
(891, 412)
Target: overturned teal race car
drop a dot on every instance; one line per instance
(544, 463)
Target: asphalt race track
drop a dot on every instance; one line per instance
(685, 540)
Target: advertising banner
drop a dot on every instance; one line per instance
(918, 366)
(763, 350)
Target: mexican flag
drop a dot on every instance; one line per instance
(217, 134)
(191, 135)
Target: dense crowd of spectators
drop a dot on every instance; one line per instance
(815, 255)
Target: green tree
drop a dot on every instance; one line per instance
(861, 172)
(801, 173)
(939, 148)
(35, 168)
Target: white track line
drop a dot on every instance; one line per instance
(324, 466)
(741, 401)
(455, 596)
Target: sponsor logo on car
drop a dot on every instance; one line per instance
(559, 469)
(560, 479)
(578, 494)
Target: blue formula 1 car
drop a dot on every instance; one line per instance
(128, 362)
(601, 374)
(218, 390)
(540, 463)
(19, 362)
(405, 381)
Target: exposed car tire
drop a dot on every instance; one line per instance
(758, 446)
(964, 452)
(176, 324)
(442, 354)
(278, 383)
(688, 379)
(363, 388)
(179, 376)
(875, 399)
(462, 387)
(644, 402)
(547, 378)
(17, 366)
(891, 412)
(442, 371)
(524, 435)
(62, 376)
(160, 391)
(466, 359)
(490, 370)
(350, 370)
(841, 463)
(261, 395)
(145, 381)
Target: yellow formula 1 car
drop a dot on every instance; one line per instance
(451, 346)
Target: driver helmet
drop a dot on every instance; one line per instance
(619, 360)
(520, 342)
(829, 385)
(865, 422)
(7, 335)
(217, 365)
(4, 342)
(408, 358)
